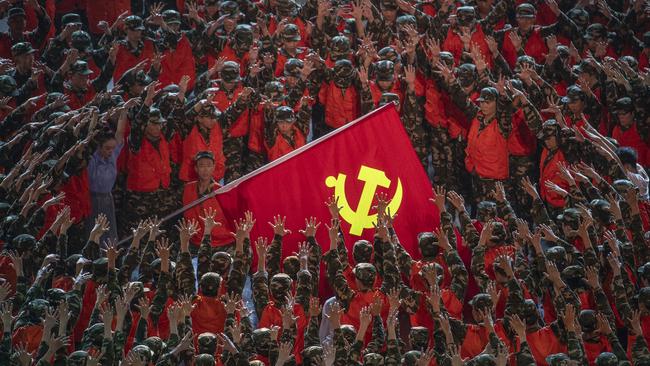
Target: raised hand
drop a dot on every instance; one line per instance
(311, 225)
(333, 206)
(278, 226)
(439, 196)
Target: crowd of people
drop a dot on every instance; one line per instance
(530, 117)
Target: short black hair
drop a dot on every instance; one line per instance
(628, 155)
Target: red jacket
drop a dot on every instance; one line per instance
(487, 151)
(149, 169)
(340, 107)
(220, 235)
(105, 10)
(632, 138)
(549, 171)
(521, 141)
(283, 147)
(535, 46)
(193, 143)
(176, 63)
(222, 101)
(77, 196)
(454, 44)
(126, 60)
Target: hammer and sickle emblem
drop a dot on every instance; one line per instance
(361, 218)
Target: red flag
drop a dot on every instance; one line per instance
(370, 155)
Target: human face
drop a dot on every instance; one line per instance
(384, 85)
(153, 130)
(576, 106)
(107, 148)
(488, 107)
(229, 24)
(136, 89)
(290, 45)
(207, 122)
(285, 127)
(389, 14)
(551, 143)
(17, 24)
(525, 23)
(291, 80)
(79, 81)
(229, 85)
(625, 118)
(204, 169)
(24, 62)
(133, 35)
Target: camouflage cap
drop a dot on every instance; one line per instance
(22, 48)
(465, 15)
(204, 360)
(134, 22)
(466, 74)
(573, 272)
(407, 19)
(291, 265)
(209, 283)
(486, 210)
(388, 98)
(484, 359)
(622, 186)
(243, 35)
(55, 295)
(286, 8)
(447, 58)
(385, 70)
(207, 343)
(81, 41)
(77, 358)
(557, 359)
(37, 307)
(419, 337)
(585, 66)
(556, 254)
(293, 67)
(230, 72)
(16, 12)
(549, 128)
(525, 10)
(70, 18)
(481, 301)
(284, 113)
(209, 110)
(389, 53)
(261, 339)
(428, 244)
(311, 352)
(131, 78)
(588, 320)
(155, 116)
(388, 4)
(606, 359)
(569, 216)
(171, 16)
(204, 155)
(291, 33)
(373, 359)
(488, 94)
(340, 45)
(631, 61)
(362, 251)
(596, 31)
(8, 86)
(23, 242)
(81, 68)
(365, 273)
(343, 69)
(144, 352)
(229, 8)
(221, 262)
(499, 233)
(411, 358)
(156, 345)
(623, 105)
(579, 16)
(280, 284)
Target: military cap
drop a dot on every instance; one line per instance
(484, 359)
(230, 72)
(388, 98)
(81, 68)
(155, 116)
(579, 16)
(286, 8)
(171, 16)
(312, 352)
(373, 359)
(243, 35)
(606, 359)
(280, 284)
(204, 359)
(574, 272)
(631, 61)
(70, 18)
(343, 69)
(624, 105)
(585, 67)
(466, 74)
(465, 15)
(284, 114)
(229, 8)
(588, 320)
(340, 45)
(596, 31)
(407, 19)
(622, 186)
(204, 155)
(55, 295)
(291, 33)
(447, 58)
(23, 242)
(143, 351)
(207, 343)
(362, 251)
(221, 261)
(16, 12)
(388, 4)
(81, 41)
(365, 272)
(8, 85)
(411, 358)
(525, 10)
(549, 128)
(486, 210)
(134, 22)
(574, 93)
(488, 94)
(210, 283)
(389, 53)
(291, 265)
(385, 70)
(419, 336)
(209, 110)
(22, 48)
(77, 358)
(293, 67)
(481, 301)
(557, 359)
(556, 253)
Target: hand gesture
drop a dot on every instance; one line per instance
(311, 225)
(208, 220)
(278, 226)
(456, 200)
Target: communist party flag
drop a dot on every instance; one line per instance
(370, 155)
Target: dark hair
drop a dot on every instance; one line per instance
(628, 155)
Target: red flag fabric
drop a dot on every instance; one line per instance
(372, 154)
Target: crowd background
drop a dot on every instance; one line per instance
(531, 119)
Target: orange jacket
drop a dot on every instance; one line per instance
(340, 107)
(209, 315)
(149, 168)
(176, 63)
(534, 47)
(220, 235)
(193, 143)
(454, 44)
(521, 141)
(126, 60)
(549, 171)
(283, 147)
(487, 151)
(222, 101)
(77, 196)
(632, 138)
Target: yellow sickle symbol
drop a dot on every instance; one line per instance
(372, 178)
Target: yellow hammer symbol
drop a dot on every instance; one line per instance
(360, 218)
